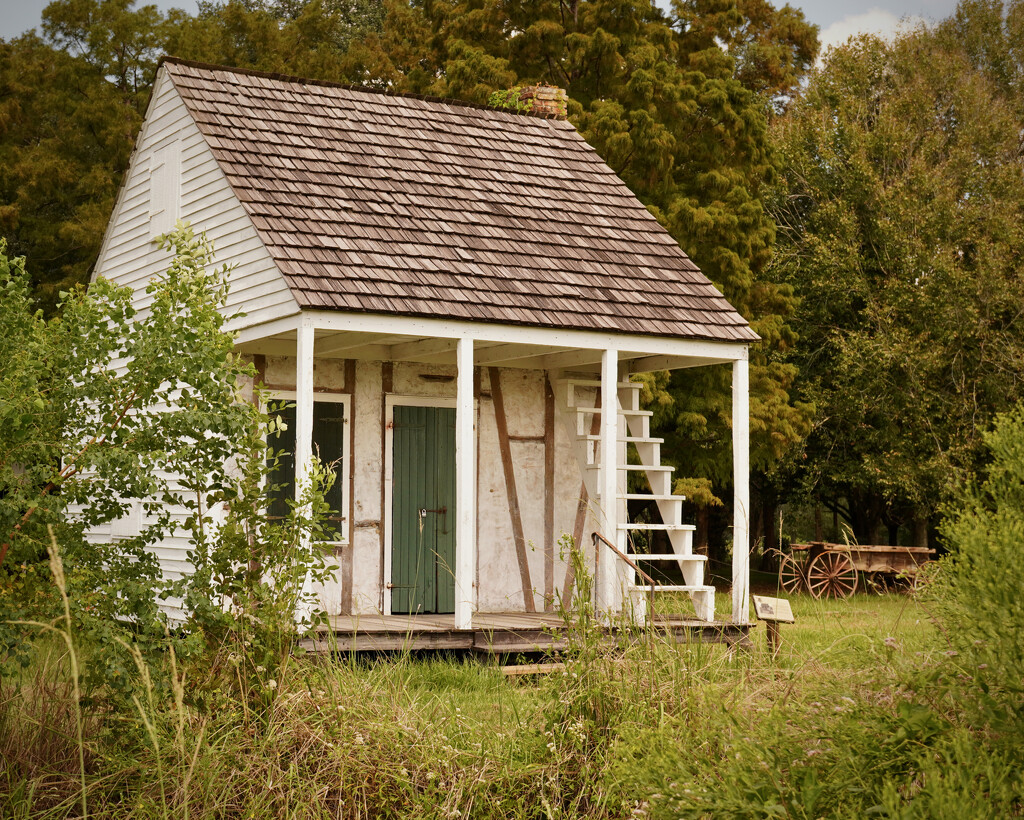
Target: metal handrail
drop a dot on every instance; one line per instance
(596, 536)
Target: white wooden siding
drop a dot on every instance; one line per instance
(173, 175)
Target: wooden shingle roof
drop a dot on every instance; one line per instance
(390, 204)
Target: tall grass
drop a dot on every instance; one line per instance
(647, 728)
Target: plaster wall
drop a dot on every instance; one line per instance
(500, 582)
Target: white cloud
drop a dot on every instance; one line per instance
(874, 21)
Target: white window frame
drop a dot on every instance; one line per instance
(344, 399)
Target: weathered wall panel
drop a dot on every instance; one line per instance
(499, 578)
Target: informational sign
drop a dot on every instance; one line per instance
(775, 610)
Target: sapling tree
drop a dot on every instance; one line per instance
(105, 410)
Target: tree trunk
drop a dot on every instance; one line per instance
(920, 530)
(819, 526)
(700, 536)
(894, 534)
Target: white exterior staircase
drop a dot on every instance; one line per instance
(577, 400)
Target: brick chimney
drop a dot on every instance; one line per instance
(544, 99)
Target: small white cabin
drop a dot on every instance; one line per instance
(451, 295)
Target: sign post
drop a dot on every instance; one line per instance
(773, 611)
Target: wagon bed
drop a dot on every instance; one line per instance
(832, 570)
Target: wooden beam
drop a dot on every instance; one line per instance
(549, 496)
(647, 364)
(465, 489)
(369, 351)
(505, 447)
(499, 354)
(448, 328)
(609, 478)
(447, 357)
(303, 407)
(581, 520)
(570, 359)
(577, 540)
(419, 348)
(386, 387)
(269, 347)
(303, 426)
(347, 568)
(340, 342)
(741, 491)
(259, 361)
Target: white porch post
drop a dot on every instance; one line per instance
(607, 560)
(303, 427)
(303, 405)
(465, 489)
(741, 490)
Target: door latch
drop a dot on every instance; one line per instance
(440, 510)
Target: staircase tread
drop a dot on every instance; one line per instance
(628, 439)
(623, 410)
(658, 468)
(673, 587)
(659, 527)
(597, 383)
(665, 556)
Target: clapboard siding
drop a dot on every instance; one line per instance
(195, 190)
(205, 199)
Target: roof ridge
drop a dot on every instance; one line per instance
(289, 78)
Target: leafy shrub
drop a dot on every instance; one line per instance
(976, 594)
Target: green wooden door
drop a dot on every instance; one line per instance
(423, 510)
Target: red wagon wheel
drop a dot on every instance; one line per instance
(832, 575)
(791, 576)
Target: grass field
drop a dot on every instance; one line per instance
(642, 730)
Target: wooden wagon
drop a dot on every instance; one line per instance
(833, 570)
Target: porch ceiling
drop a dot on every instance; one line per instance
(372, 346)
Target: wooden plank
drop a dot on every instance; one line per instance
(604, 583)
(498, 633)
(387, 386)
(259, 361)
(510, 488)
(581, 519)
(465, 483)
(741, 491)
(347, 567)
(549, 495)
(525, 669)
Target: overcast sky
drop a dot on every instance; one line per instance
(838, 20)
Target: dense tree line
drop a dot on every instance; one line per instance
(900, 211)
(863, 215)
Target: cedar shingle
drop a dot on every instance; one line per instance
(374, 202)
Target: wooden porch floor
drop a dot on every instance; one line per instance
(493, 633)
